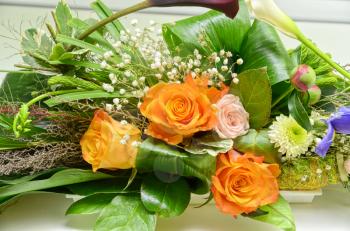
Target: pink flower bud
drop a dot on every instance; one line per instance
(303, 77)
(313, 94)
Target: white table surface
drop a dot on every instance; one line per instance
(45, 212)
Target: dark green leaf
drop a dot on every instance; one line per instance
(264, 48)
(21, 179)
(210, 143)
(278, 214)
(257, 142)
(125, 213)
(156, 156)
(220, 31)
(91, 204)
(10, 143)
(298, 111)
(255, 93)
(167, 199)
(62, 16)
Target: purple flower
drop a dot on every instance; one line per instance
(338, 123)
(229, 7)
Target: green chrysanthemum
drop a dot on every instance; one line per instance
(287, 135)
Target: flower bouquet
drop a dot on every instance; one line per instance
(136, 120)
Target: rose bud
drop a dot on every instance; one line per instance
(229, 7)
(313, 95)
(303, 77)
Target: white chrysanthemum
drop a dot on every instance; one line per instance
(287, 135)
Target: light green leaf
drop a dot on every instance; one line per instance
(298, 111)
(165, 198)
(62, 16)
(70, 81)
(91, 204)
(310, 58)
(220, 31)
(209, 143)
(264, 48)
(92, 94)
(7, 143)
(154, 155)
(278, 214)
(125, 213)
(255, 93)
(61, 178)
(257, 142)
(82, 44)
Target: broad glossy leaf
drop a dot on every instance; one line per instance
(257, 142)
(125, 213)
(298, 111)
(167, 199)
(91, 204)
(264, 48)
(62, 16)
(255, 93)
(220, 31)
(278, 214)
(156, 156)
(61, 178)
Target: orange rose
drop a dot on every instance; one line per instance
(243, 183)
(177, 111)
(108, 144)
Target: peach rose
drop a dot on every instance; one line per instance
(243, 183)
(177, 111)
(233, 120)
(108, 144)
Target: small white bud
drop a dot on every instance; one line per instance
(142, 79)
(217, 59)
(234, 75)
(109, 107)
(134, 83)
(107, 87)
(225, 61)
(116, 101)
(104, 64)
(224, 68)
(239, 61)
(122, 91)
(235, 80)
(222, 52)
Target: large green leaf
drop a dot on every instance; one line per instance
(62, 16)
(91, 204)
(278, 214)
(220, 31)
(298, 111)
(156, 156)
(255, 93)
(125, 213)
(10, 143)
(167, 198)
(61, 178)
(18, 87)
(257, 142)
(12, 180)
(264, 48)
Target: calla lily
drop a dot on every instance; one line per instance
(269, 12)
(338, 123)
(229, 7)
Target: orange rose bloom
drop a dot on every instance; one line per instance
(177, 111)
(243, 183)
(108, 144)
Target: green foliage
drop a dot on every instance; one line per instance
(167, 196)
(264, 48)
(310, 58)
(91, 204)
(218, 30)
(278, 214)
(255, 93)
(12, 180)
(298, 111)
(127, 213)
(69, 81)
(257, 142)
(156, 156)
(62, 15)
(7, 143)
(209, 143)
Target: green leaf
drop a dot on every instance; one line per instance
(220, 31)
(167, 199)
(91, 204)
(7, 143)
(278, 214)
(82, 44)
(12, 180)
(61, 178)
(18, 87)
(257, 142)
(125, 213)
(156, 156)
(37, 44)
(92, 94)
(209, 143)
(62, 16)
(255, 93)
(264, 48)
(310, 58)
(70, 81)
(298, 111)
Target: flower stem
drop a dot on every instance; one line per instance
(321, 54)
(284, 95)
(134, 8)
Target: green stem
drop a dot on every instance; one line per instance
(284, 95)
(324, 56)
(142, 5)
